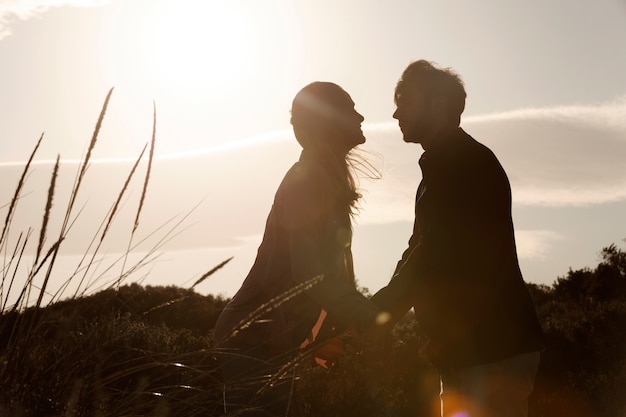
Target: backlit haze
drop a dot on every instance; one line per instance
(546, 91)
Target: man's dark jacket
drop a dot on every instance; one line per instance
(460, 272)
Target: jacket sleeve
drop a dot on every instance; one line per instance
(396, 298)
(459, 215)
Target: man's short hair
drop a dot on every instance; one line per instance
(433, 81)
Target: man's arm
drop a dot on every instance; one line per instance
(396, 298)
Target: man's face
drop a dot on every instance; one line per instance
(414, 115)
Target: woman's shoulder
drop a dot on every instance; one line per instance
(303, 176)
(304, 191)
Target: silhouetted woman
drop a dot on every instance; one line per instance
(303, 270)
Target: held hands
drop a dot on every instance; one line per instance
(375, 342)
(372, 343)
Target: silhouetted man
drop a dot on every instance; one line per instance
(460, 272)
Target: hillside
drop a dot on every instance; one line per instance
(148, 351)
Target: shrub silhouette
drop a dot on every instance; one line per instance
(134, 350)
(583, 370)
(148, 350)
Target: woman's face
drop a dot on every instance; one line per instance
(323, 116)
(345, 125)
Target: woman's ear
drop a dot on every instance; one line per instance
(311, 135)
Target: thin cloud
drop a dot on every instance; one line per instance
(263, 139)
(604, 114)
(12, 11)
(561, 156)
(534, 245)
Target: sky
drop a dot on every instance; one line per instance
(546, 91)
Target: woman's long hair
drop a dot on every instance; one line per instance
(315, 114)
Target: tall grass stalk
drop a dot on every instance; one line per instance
(143, 192)
(74, 193)
(28, 326)
(198, 281)
(272, 304)
(17, 258)
(46, 215)
(113, 365)
(148, 170)
(16, 195)
(211, 272)
(41, 263)
(109, 220)
(151, 255)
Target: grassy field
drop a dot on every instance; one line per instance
(99, 345)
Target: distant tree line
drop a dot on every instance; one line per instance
(147, 350)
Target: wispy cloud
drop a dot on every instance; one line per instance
(244, 144)
(559, 156)
(12, 11)
(535, 244)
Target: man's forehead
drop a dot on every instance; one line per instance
(408, 92)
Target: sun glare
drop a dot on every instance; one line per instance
(185, 47)
(204, 63)
(196, 44)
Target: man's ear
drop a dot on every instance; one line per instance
(439, 104)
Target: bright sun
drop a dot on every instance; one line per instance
(202, 61)
(185, 46)
(196, 44)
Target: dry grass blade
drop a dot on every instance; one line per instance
(85, 164)
(166, 238)
(18, 190)
(107, 225)
(286, 368)
(145, 259)
(7, 267)
(46, 215)
(121, 194)
(272, 304)
(51, 251)
(124, 274)
(211, 272)
(165, 304)
(150, 158)
(79, 180)
(299, 357)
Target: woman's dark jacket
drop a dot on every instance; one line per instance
(307, 235)
(460, 272)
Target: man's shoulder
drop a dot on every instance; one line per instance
(476, 148)
(467, 155)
